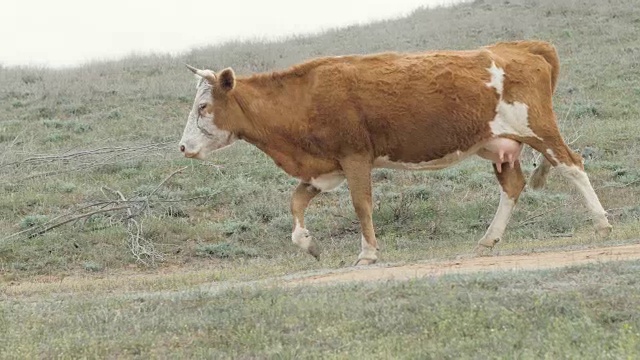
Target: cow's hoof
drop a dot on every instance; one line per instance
(314, 250)
(485, 245)
(482, 250)
(303, 239)
(364, 261)
(488, 242)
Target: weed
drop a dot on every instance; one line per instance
(92, 266)
(225, 250)
(73, 126)
(47, 114)
(33, 220)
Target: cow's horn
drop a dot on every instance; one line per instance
(197, 71)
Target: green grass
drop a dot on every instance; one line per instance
(68, 135)
(586, 312)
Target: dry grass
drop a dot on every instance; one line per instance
(69, 133)
(238, 228)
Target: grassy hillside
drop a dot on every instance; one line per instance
(74, 138)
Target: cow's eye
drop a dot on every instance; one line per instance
(202, 106)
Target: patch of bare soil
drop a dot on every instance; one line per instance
(535, 261)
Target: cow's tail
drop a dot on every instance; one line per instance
(539, 176)
(550, 55)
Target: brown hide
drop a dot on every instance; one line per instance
(410, 107)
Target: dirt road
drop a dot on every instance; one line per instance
(543, 260)
(180, 279)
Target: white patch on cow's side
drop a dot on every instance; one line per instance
(444, 162)
(301, 237)
(368, 252)
(510, 119)
(328, 182)
(500, 220)
(497, 78)
(581, 181)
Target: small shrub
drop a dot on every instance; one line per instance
(97, 222)
(57, 137)
(231, 227)
(6, 137)
(110, 168)
(145, 190)
(29, 79)
(44, 113)
(585, 110)
(33, 220)
(382, 174)
(176, 211)
(92, 266)
(205, 191)
(225, 251)
(74, 126)
(61, 187)
(608, 165)
(78, 110)
(20, 266)
(421, 192)
(114, 114)
(625, 176)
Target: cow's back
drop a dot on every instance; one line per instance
(392, 103)
(415, 107)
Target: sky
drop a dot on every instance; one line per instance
(63, 33)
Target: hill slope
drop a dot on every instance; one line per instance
(115, 125)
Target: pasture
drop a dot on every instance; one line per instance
(114, 245)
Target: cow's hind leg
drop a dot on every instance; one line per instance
(511, 182)
(302, 195)
(569, 164)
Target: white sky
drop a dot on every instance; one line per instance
(69, 32)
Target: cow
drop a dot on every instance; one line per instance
(333, 119)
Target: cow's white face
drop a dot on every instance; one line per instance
(201, 135)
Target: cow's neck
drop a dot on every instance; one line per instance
(254, 127)
(274, 132)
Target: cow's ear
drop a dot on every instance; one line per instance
(226, 80)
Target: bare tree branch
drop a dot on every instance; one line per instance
(48, 228)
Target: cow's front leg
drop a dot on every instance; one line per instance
(511, 182)
(300, 236)
(358, 173)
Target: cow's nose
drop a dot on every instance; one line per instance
(181, 148)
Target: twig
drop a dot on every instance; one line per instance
(76, 218)
(617, 186)
(83, 153)
(528, 221)
(165, 180)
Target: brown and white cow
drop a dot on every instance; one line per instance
(337, 118)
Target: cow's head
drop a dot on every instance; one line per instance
(204, 132)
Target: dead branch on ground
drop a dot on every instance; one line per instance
(141, 248)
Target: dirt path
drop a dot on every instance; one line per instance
(543, 260)
(184, 280)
